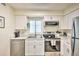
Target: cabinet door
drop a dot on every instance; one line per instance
(51, 18)
(66, 23)
(63, 23)
(62, 47)
(31, 48)
(39, 49)
(34, 47)
(21, 22)
(17, 47)
(67, 50)
(65, 47)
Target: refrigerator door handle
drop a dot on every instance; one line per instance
(73, 45)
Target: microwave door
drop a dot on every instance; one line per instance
(51, 23)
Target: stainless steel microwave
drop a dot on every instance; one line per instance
(51, 23)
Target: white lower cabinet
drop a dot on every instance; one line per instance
(31, 47)
(34, 47)
(67, 50)
(39, 48)
(65, 47)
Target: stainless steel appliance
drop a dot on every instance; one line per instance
(52, 44)
(51, 23)
(17, 47)
(75, 37)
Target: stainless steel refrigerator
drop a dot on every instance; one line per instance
(75, 37)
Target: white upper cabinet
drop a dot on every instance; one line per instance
(66, 23)
(21, 22)
(51, 18)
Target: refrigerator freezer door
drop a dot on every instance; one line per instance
(77, 28)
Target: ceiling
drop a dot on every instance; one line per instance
(40, 6)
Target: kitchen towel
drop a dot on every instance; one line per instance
(53, 42)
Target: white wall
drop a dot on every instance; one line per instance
(7, 32)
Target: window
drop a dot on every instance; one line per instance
(35, 26)
(38, 26)
(32, 26)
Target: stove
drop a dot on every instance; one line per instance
(49, 35)
(50, 38)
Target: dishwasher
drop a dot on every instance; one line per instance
(17, 47)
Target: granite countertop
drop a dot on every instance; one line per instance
(25, 38)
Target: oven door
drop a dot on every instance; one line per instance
(52, 48)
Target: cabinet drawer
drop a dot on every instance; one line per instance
(52, 53)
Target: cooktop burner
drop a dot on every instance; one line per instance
(49, 36)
